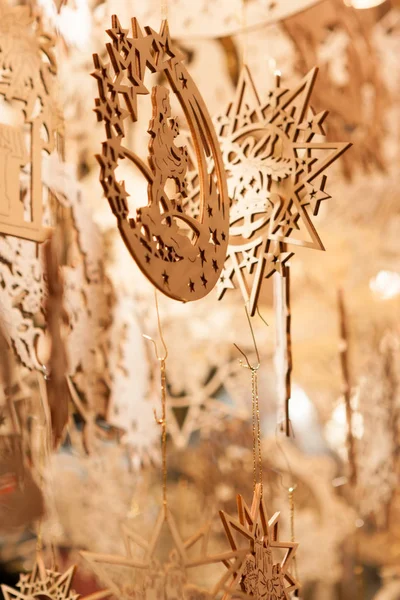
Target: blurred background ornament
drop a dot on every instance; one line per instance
(28, 75)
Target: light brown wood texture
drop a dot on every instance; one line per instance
(27, 73)
(57, 389)
(21, 498)
(313, 34)
(275, 161)
(262, 573)
(148, 575)
(180, 255)
(42, 582)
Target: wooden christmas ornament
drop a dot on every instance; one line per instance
(148, 576)
(42, 582)
(275, 163)
(182, 256)
(262, 573)
(27, 75)
(46, 583)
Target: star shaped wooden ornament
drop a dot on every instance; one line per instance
(262, 573)
(43, 583)
(149, 577)
(276, 181)
(181, 255)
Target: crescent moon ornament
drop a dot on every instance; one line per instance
(181, 255)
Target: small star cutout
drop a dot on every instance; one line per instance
(183, 80)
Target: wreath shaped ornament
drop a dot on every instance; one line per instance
(181, 255)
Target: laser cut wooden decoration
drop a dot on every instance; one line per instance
(276, 180)
(27, 69)
(46, 583)
(261, 574)
(146, 576)
(182, 256)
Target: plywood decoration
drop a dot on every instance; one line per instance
(202, 406)
(42, 583)
(181, 256)
(262, 573)
(275, 161)
(27, 70)
(141, 574)
(337, 38)
(22, 289)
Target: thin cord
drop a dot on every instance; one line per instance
(253, 404)
(163, 423)
(163, 420)
(257, 457)
(258, 424)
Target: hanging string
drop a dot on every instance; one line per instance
(256, 421)
(163, 420)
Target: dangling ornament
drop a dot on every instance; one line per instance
(182, 256)
(261, 574)
(276, 180)
(27, 75)
(146, 576)
(42, 582)
(45, 583)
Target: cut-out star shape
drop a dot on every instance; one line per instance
(263, 570)
(288, 125)
(148, 574)
(45, 583)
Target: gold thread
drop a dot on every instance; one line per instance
(164, 432)
(163, 420)
(253, 403)
(260, 467)
(257, 458)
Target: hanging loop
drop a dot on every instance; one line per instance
(249, 366)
